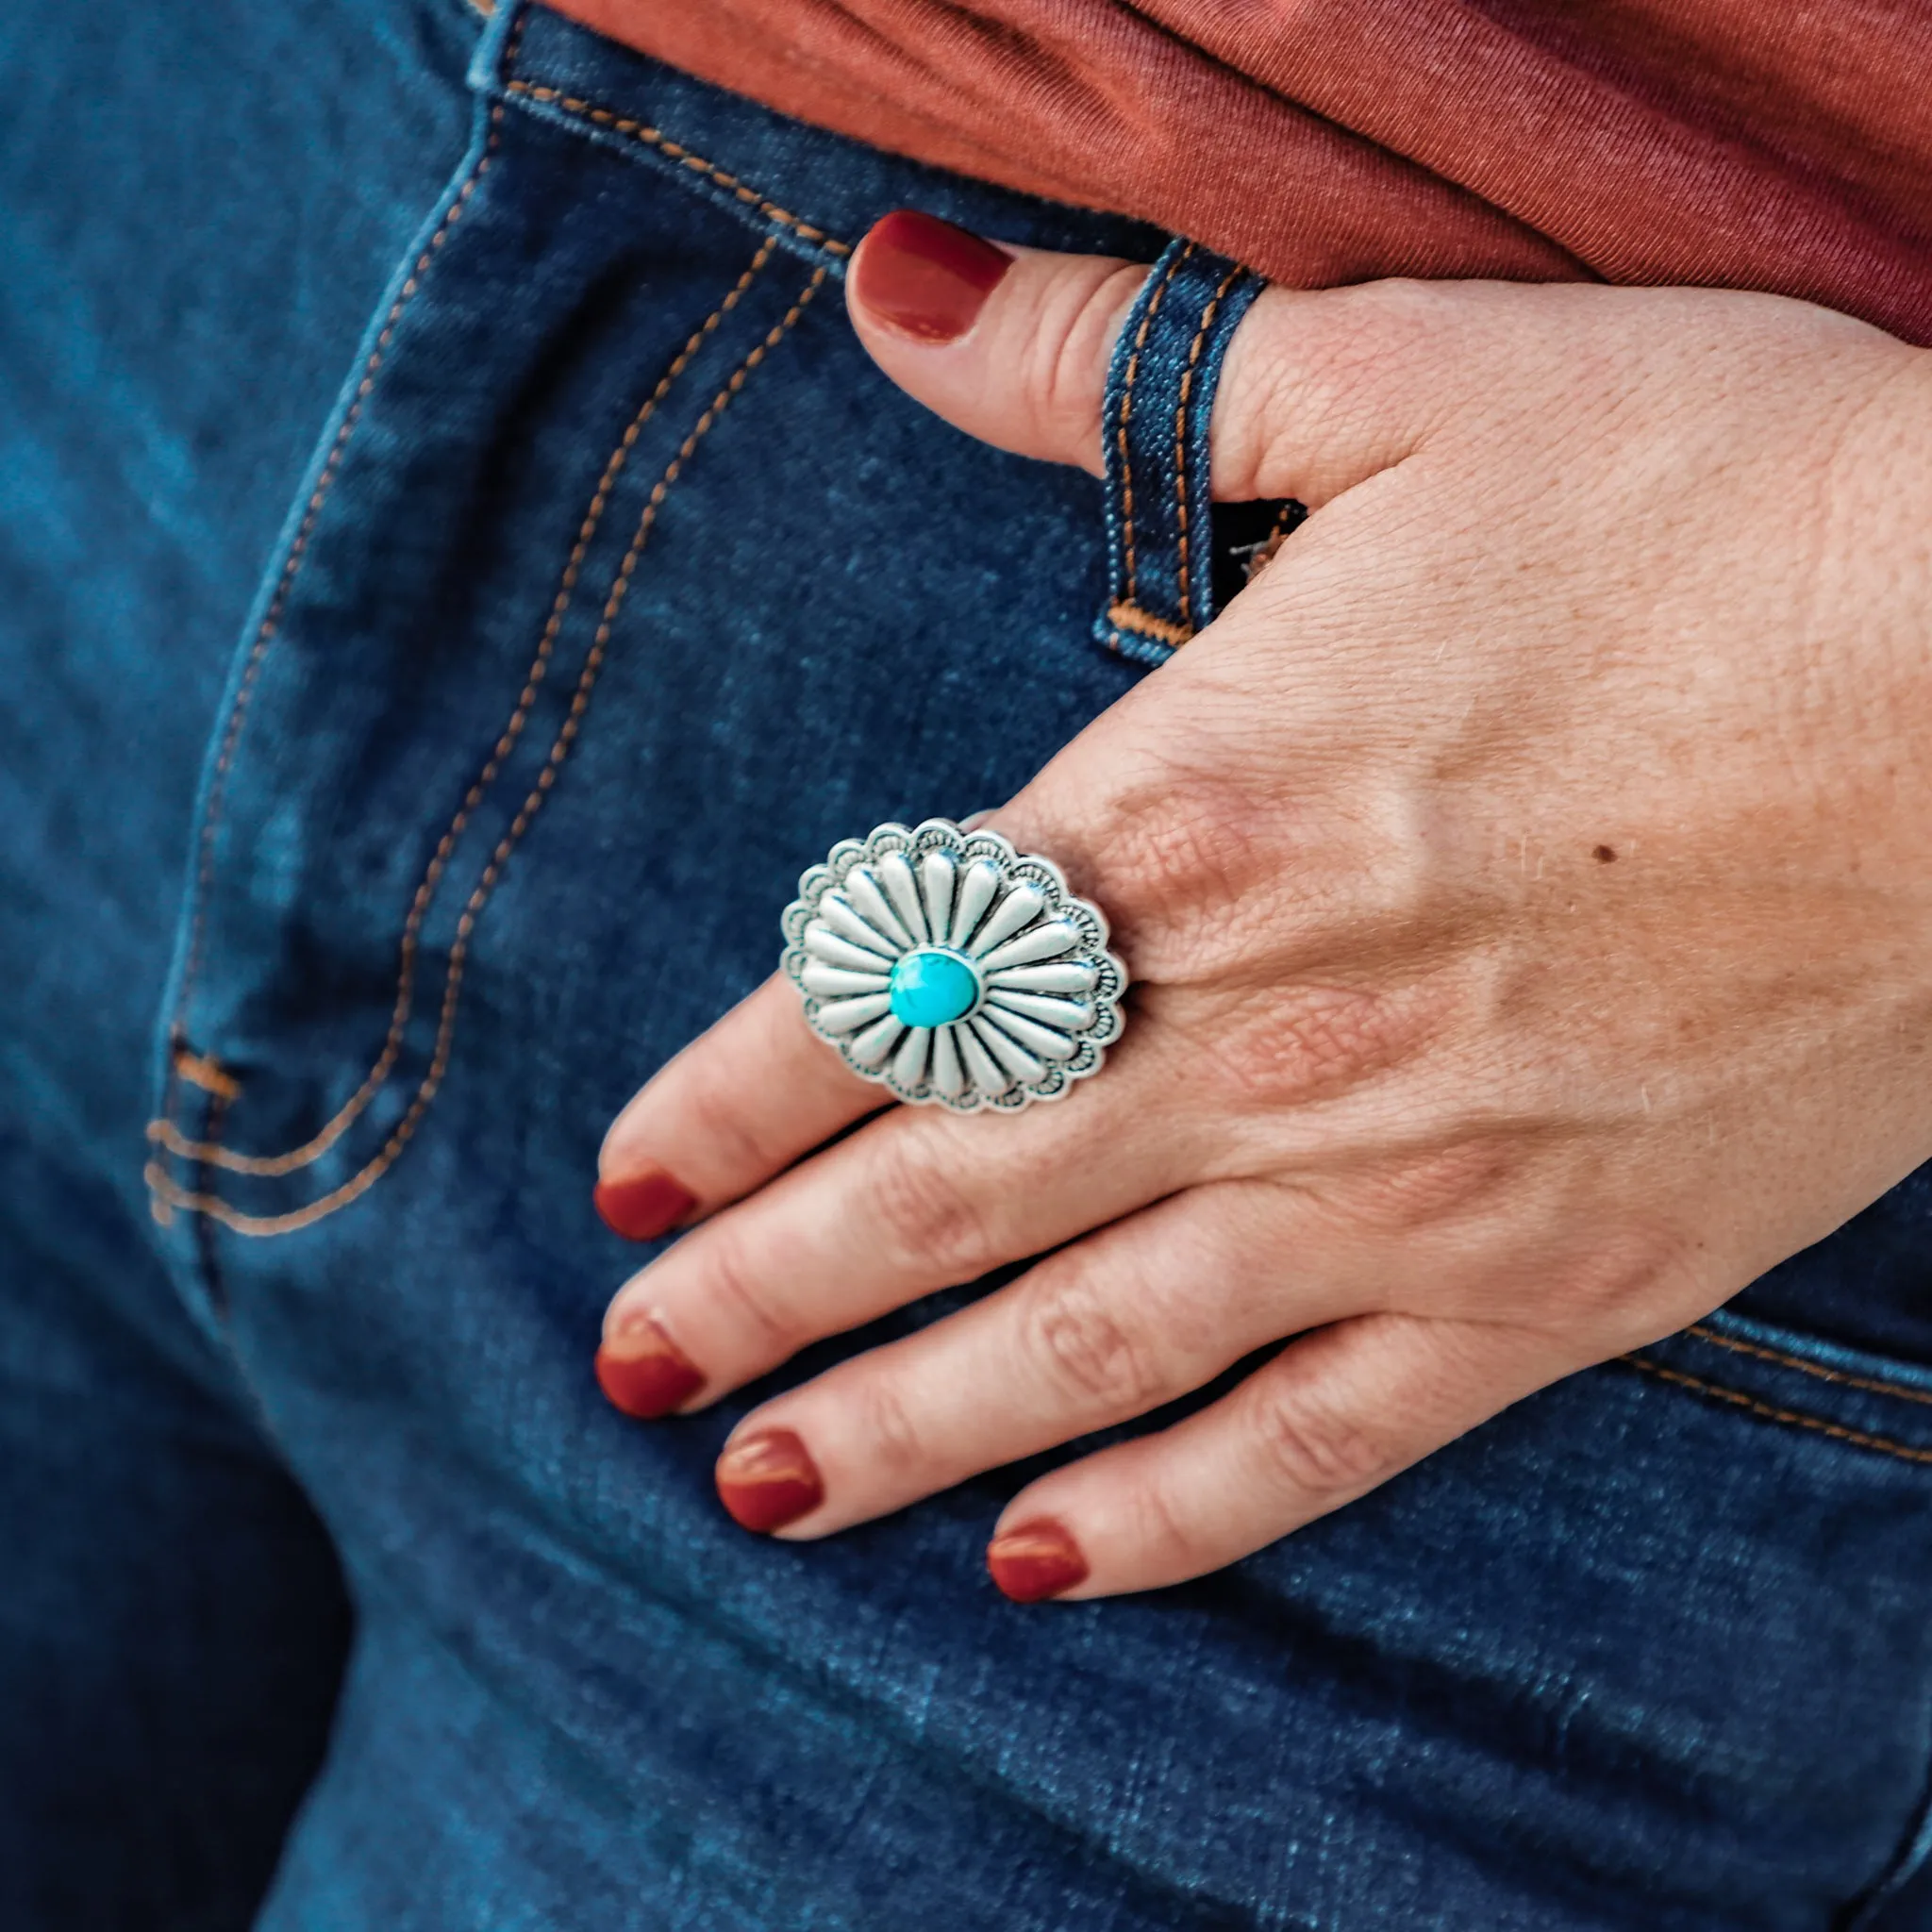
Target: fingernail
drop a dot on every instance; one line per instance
(643, 1207)
(1035, 1559)
(644, 1372)
(769, 1479)
(924, 278)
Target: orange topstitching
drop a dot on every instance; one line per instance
(167, 1191)
(1858, 1438)
(1180, 438)
(291, 565)
(677, 151)
(1124, 616)
(1125, 447)
(1844, 1380)
(164, 1131)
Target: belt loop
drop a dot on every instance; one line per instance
(1159, 397)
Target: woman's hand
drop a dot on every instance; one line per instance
(1527, 886)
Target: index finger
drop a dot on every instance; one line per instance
(744, 1100)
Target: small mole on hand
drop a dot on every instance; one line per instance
(1603, 855)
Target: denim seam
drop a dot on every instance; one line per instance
(166, 1189)
(1181, 442)
(193, 1065)
(657, 140)
(209, 1150)
(1736, 1398)
(1838, 1377)
(1122, 437)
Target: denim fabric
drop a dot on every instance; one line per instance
(617, 587)
(1160, 388)
(197, 208)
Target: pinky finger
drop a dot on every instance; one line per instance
(1333, 1416)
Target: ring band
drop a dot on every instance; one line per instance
(953, 969)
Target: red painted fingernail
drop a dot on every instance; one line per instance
(1035, 1560)
(643, 1207)
(644, 1372)
(769, 1479)
(924, 277)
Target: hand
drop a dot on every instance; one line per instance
(1527, 883)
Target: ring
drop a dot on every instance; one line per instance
(953, 969)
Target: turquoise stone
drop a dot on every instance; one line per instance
(933, 987)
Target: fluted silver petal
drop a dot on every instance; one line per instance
(896, 875)
(1047, 1042)
(872, 1046)
(1045, 941)
(937, 875)
(837, 912)
(868, 900)
(948, 1070)
(822, 943)
(908, 1063)
(985, 1071)
(1021, 906)
(979, 886)
(1063, 976)
(847, 1016)
(1007, 1050)
(1068, 1016)
(831, 982)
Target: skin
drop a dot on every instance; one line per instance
(1527, 883)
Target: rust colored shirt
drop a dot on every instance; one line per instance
(1777, 144)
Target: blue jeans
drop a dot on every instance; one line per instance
(491, 385)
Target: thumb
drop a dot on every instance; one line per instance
(1320, 389)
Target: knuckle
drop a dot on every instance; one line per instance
(923, 1213)
(1184, 836)
(1441, 1185)
(709, 1111)
(1179, 855)
(1627, 1270)
(1309, 1449)
(1293, 1045)
(1336, 361)
(1400, 318)
(1086, 1350)
(885, 1424)
(1166, 1531)
(1419, 309)
(1073, 341)
(729, 1282)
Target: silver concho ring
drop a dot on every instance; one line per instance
(953, 969)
